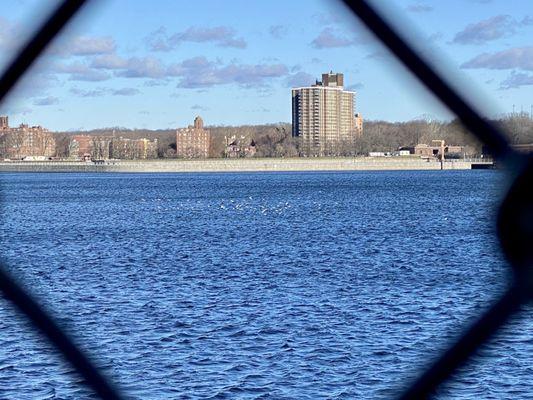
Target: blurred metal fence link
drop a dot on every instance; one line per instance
(515, 218)
(10, 288)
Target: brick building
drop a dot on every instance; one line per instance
(80, 147)
(4, 123)
(124, 148)
(88, 147)
(424, 150)
(193, 141)
(25, 141)
(358, 124)
(147, 148)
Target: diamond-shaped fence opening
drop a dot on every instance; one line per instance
(515, 220)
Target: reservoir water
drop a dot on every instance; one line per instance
(257, 285)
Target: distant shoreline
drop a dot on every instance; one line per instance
(244, 165)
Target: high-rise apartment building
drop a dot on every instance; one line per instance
(323, 116)
(193, 141)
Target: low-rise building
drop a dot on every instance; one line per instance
(239, 147)
(424, 150)
(406, 150)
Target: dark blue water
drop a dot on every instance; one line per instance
(281, 286)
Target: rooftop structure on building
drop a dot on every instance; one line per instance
(4, 122)
(323, 116)
(331, 80)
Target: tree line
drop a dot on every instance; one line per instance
(275, 140)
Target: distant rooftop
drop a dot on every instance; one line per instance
(330, 79)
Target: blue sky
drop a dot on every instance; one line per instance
(149, 64)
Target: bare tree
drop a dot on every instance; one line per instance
(46, 144)
(100, 148)
(16, 139)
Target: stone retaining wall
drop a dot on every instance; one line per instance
(236, 165)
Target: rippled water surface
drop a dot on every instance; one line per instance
(282, 285)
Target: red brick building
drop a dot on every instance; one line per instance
(89, 147)
(25, 141)
(193, 141)
(425, 150)
(4, 123)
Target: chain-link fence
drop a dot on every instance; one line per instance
(515, 219)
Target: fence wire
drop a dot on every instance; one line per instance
(10, 288)
(515, 218)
